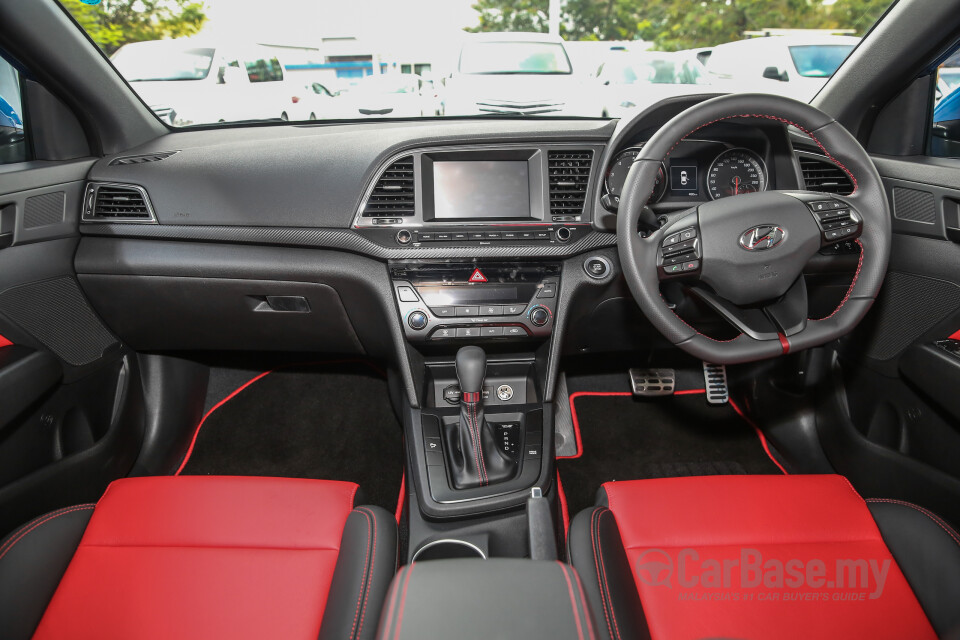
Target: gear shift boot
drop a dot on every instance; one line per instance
(473, 457)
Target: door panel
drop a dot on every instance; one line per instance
(68, 387)
(902, 381)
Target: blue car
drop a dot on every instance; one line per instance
(9, 116)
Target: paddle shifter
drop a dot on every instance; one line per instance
(474, 459)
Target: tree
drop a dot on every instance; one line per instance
(512, 15)
(678, 24)
(857, 14)
(114, 23)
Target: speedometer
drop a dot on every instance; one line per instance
(735, 172)
(616, 176)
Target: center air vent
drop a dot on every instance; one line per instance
(393, 195)
(819, 174)
(116, 203)
(147, 157)
(569, 175)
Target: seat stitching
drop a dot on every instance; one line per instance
(392, 597)
(613, 613)
(940, 523)
(403, 601)
(573, 602)
(55, 512)
(363, 576)
(601, 570)
(373, 560)
(47, 518)
(583, 602)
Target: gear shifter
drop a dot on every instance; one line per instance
(475, 460)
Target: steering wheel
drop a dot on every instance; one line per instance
(744, 256)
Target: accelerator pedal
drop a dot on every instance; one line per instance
(715, 377)
(650, 383)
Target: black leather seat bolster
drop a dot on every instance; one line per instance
(33, 559)
(595, 548)
(365, 566)
(475, 599)
(927, 550)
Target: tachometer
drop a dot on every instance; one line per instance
(617, 176)
(735, 172)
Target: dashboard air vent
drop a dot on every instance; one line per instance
(147, 157)
(569, 175)
(819, 174)
(116, 203)
(393, 195)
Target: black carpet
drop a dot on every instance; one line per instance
(630, 439)
(332, 422)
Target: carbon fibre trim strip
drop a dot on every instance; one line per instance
(345, 239)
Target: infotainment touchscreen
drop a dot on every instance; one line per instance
(481, 189)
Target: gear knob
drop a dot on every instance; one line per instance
(471, 367)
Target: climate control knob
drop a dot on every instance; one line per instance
(539, 316)
(417, 320)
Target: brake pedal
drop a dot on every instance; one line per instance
(715, 377)
(652, 382)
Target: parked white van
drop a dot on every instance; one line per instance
(192, 81)
(796, 66)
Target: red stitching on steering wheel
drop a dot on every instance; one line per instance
(778, 119)
(829, 155)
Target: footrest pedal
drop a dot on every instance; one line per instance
(715, 379)
(652, 382)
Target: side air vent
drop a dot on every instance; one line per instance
(393, 195)
(117, 203)
(819, 174)
(147, 157)
(569, 176)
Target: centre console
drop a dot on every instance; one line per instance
(475, 302)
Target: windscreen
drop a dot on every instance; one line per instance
(218, 62)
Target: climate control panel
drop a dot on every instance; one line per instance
(476, 302)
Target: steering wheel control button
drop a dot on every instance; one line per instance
(688, 234)
(417, 320)
(505, 392)
(596, 267)
(539, 316)
(407, 294)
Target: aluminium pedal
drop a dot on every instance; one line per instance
(652, 382)
(715, 378)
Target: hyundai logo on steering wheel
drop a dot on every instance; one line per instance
(762, 237)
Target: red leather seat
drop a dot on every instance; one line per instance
(764, 557)
(207, 557)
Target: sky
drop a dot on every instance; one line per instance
(304, 22)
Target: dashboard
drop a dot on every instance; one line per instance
(242, 236)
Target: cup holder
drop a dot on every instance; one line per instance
(448, 549)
